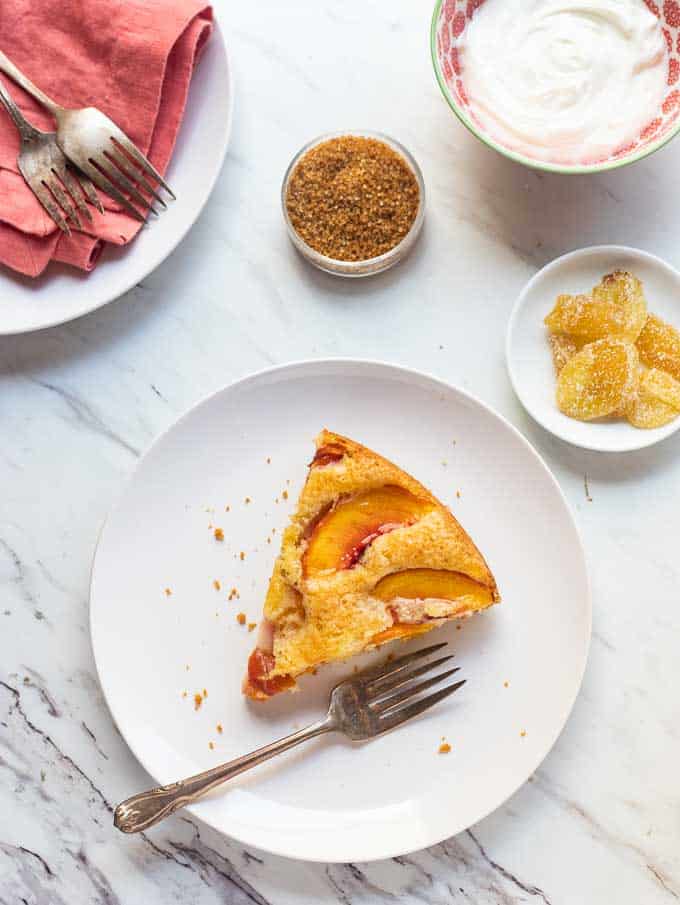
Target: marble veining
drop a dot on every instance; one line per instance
(599, 821)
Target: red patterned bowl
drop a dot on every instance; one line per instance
(448, 23)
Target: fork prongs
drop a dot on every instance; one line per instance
(90, 191)
(107, 186)
(108, 168)
(390, 695)
(124, 144)
(123, 164)
(46, 198)
(399, 714)
(377, 674)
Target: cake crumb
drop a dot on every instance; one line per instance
(219, 534)
(198, 700)
(444, 748)
(211, 745)
(205, 693)
(242, 556)
(458, 494)
(284, 494)
(248, 500)
(219, 728)
(269, 540)
(459, 627)
(227, 508)
(269, 460)
(184, 694)
(506, 684)
(523, 733)
(216, 584)
(241, 618)
(233, 594)
(252, 626)
(188, 667)
(168, 592)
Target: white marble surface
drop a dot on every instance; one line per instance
(600, 821)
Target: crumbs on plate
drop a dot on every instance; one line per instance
(241, 618)
(219, 534)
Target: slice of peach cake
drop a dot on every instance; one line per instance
(369, 556)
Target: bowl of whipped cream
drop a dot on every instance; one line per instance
(572, 86)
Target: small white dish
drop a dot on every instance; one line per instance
(63, 293)
(332, 800)
(528, 354)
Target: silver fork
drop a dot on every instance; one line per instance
(98, 147)
(362, 707)
(46, 171)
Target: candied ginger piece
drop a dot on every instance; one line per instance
(648, 412)
(616, 307)
(599, 380)
(660, 385)
(563, 348)
(659, 346)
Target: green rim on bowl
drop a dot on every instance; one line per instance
(531, 162)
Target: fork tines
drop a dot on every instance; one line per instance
(124, 173)
(390, 691)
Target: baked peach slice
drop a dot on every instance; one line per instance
(340, 537)
(432, 584)
(412, 586)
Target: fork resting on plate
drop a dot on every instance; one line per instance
(370, 703)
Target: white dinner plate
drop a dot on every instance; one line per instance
(528, 354)
(332, 800)
(63, 293)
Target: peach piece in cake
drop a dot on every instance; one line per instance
(339, 537)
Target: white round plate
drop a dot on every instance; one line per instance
(332, 800)
(63, 293)
(528, 354)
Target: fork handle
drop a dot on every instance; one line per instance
(26, 130)
(147, 808)
(10, 69)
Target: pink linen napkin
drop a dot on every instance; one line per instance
(131, 58)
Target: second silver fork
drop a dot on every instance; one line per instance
(46, 171)
(362, 707)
